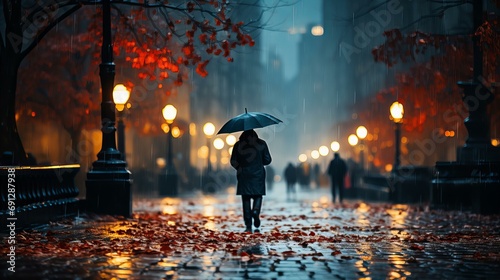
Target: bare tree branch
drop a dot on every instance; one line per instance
(46, 30)
(132, 30)
(438, 12)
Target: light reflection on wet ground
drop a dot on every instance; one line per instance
(307, 238)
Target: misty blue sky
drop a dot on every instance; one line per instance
(280, 39)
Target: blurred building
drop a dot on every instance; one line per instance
(338, 75)
(279, 99)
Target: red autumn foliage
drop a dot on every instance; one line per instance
(165, 37)
(426, 84)
(155, 48)
(144, 32)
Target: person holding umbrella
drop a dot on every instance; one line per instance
(250, 155)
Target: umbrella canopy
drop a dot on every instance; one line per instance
(248, 121)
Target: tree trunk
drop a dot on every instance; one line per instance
(11, 147)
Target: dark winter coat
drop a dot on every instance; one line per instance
(337, 169)
(291, 174)
(248, 158)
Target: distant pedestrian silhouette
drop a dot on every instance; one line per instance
(270, 177)
(317, 175)
(304, 175)
(249, 156)
(290, 178)
(337, 170)
(354, 173)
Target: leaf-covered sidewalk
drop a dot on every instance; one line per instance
(201, 237)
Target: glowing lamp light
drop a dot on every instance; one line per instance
(335, 146)
(397, 112)
(218, 143)
(165, 127)
(176, 132)
(231, 140)
(169, 113)
(192, 129)
(323, 150)
(203, 152)
(120, 96)
(388, 167)
(315, 154)
(352, 139)
(495, 142)
(302, 157)
(161, 162)
(317, 30)
(361, 132)
(209, 129)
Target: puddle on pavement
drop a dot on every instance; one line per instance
(253, 249)
(253, 254)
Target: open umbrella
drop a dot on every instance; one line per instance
(248, 121)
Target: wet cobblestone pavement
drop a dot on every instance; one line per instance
(201, 237)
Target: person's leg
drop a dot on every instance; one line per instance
(341, 190)
(247, 212)
(333, 191)
(257, 205)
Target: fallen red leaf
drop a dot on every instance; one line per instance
(337, 252)
(416, 247)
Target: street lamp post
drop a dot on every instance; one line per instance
(361, 132)
(397, 112)
(352, 140)
(168, 185)
(218, 145)
(108, 184)
(120, 96)
(323, 151)
(475, 171)
(209, 130)
(208, 182)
